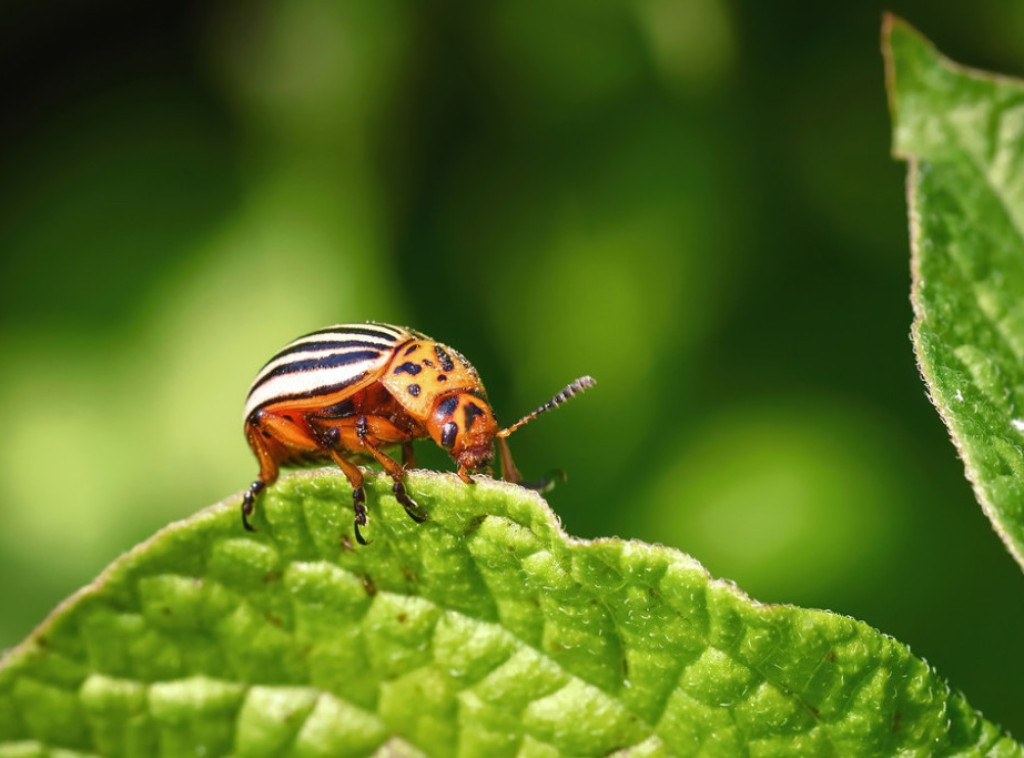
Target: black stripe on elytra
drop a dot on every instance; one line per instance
(329, 389)
(471, 411)
(447, 406)
(408, 368)
(326, 345)
(444, 358)
(331, 360)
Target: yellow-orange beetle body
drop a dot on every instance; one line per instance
(347, 392)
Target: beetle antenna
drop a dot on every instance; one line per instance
(574, 388)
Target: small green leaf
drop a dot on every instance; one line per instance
(962, 132)
(485, 631)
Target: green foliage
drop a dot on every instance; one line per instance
(962, 132)
(485, 631)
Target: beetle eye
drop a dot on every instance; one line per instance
(448, 433)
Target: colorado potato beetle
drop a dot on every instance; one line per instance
(347, 392)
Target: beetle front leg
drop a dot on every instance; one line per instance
(408, 455)
(509, 472)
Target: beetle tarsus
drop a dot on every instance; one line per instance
(359, 506)
(547, 482)
(416, 513)
(249, 503)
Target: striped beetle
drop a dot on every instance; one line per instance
(346, 392)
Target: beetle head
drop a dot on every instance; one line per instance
(464, 425)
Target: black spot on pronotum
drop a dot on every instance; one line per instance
(446, 360)
(447, 406)
(472, 410)
(448, 434)
(408, 368)
(413, 389)
(442, 377)
(428, 363)
(412, 348)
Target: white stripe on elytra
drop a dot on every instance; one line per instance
(384, 338)
(310, 382)
(338, 333)
(304, 355)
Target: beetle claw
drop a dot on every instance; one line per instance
(547, 482)
(249, 503)
(359, 535)
(358, 505)
(416, 513)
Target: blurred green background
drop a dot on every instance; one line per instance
(691, 200)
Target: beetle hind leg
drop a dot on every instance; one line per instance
(267, 476)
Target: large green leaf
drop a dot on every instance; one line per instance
(485, 631)
(962, 132)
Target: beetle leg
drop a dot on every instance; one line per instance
(547, 482)
(355, 478)
(267, 476)
(416, 513)
(249, 503)
(391, 466)
(408, 455)
(509, 472)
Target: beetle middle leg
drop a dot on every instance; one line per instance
(355, 478)
(371, 428)
(368, 433)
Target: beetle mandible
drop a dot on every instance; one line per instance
(346, 392)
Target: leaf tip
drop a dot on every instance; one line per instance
(895, 30)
